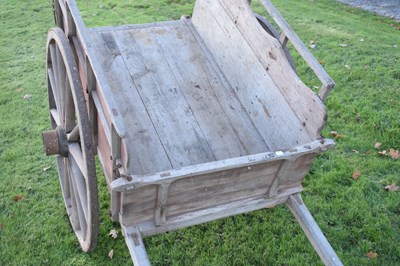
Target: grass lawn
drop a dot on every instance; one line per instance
(344, 189)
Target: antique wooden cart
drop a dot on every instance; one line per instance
(193, 120)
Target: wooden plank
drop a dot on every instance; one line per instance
(258, 93)
(280, 104)
(216, 108)
(312, 230)
(121, 184)
(161, 205)
(134, 241)
(172, 117)
(327, 82)
(204, 191)
(210, 214)
(141, 134)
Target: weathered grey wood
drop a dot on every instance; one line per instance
(210, 214)
(161, 205)
(215, 105)
(327, 82)
(172, 117)
(242, 43)
(134, 241)
(121, 184)
(312, 230)
(141, 130)
(273, 189)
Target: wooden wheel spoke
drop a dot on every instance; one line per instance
(54, 90)
(69, 112)
(76, 153)
(61, 82)
(79, 186)
(56, 116)
(71, 201)
(74, 135)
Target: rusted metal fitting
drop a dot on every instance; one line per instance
(55, 142)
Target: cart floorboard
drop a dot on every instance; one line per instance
(178, 107)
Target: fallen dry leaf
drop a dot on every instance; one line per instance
(382, 153)
(27, 97)
(356, 175)
(392, 187)
(394, 154)
(18, 198)
(336, 135)
(372, 255)
(378, 145)
(113, 233)
(321, 62)
(18, 90)
(111, 254)
(1, 226)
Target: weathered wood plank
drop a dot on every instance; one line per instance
(280, 104)
(312, 230)
(172, 117)
(145, 150)
(216, 108)
(134, 241)
(210, 214)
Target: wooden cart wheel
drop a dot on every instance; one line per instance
(70, 140)
(270, 29)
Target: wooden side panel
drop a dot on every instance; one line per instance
(284, 110)
(294, 175)
(205, 191)
(139, 205)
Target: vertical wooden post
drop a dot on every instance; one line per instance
(162, 200)
(115, 156)
(312, 230)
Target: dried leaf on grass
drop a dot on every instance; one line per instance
(382, 153)
(356, 175)
(18, 198)
(392, 187)
(372, 255)
(378, 145)
(1, 226)
(394, 154)
(337, 135)
(113, 233)
(111, 254)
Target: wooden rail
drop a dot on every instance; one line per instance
(288, 34)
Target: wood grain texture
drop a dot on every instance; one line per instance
(312, 230)
(271, 91)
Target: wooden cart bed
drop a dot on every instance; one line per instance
(193, 120)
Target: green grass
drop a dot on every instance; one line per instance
(357, 216)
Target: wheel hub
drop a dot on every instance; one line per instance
(55, 142)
